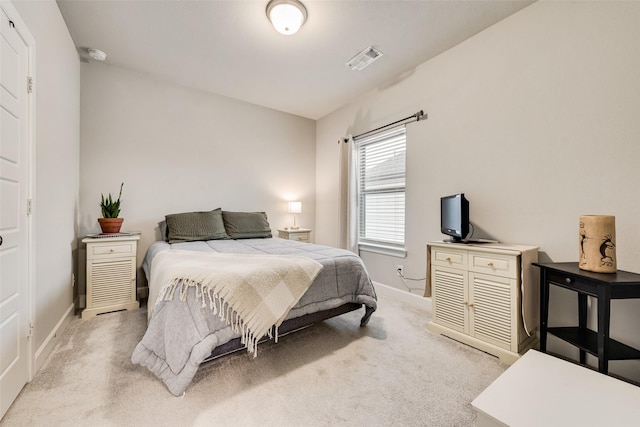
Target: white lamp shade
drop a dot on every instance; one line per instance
(295, 207)
(287, 16)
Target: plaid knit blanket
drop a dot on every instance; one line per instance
(251, 293)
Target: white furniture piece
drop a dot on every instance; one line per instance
(111, 274)
(479, 295)
(542, 390)
(299, 235)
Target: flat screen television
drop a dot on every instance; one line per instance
(454, 217)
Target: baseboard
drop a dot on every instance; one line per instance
(47, 346)
(417, 301)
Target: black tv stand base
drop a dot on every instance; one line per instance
(470, 241)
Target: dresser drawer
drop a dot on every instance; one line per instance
(299, 237)
(572, 282)
(449, 257)
(111, 249)
(488, 263)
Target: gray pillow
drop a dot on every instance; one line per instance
(162, 226)
(246, 225)
(192, 226)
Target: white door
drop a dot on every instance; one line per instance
(15, 349)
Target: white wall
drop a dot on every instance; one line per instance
(536, 120)
(57, 94)
(178, 150)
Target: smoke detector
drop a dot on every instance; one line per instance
(364, 58)
(97, 54)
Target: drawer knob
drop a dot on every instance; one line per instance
(448, 259)
(568, 280)
(490, 264)
(111, 250)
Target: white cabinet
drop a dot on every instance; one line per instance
(299, 235)
(477, 295)
(111, 274)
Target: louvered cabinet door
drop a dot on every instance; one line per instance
(493, 310)
(110, 282)
(111, 275)
(450, 294)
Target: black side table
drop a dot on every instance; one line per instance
(603, 286)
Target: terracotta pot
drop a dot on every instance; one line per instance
(110, 225)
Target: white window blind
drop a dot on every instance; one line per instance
(381, 192)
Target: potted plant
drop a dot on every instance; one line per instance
(110, 223)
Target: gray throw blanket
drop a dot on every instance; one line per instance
(182, 334)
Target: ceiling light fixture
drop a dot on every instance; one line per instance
(287, 16)
(97, 54)
(364, 58)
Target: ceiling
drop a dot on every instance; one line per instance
(229, 47)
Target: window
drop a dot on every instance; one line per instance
(381, 188)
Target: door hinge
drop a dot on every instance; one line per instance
(30, 332)
(29, 84)
(29, 206)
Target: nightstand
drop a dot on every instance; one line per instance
(299, 235)
(111, 274)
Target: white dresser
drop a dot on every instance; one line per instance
(477, 295)
(111, 274)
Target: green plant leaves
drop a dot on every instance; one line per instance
(109, 207)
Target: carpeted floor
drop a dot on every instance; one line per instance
(394, 372)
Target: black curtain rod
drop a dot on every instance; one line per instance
(420, 115)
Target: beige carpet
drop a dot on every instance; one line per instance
(394, 372)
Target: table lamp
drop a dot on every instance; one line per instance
(295, 208)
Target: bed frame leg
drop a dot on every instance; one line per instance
(368, 311)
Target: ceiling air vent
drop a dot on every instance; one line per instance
(364, 58)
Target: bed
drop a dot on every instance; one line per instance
(184, 331)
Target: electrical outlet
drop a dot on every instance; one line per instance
(400, 270)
